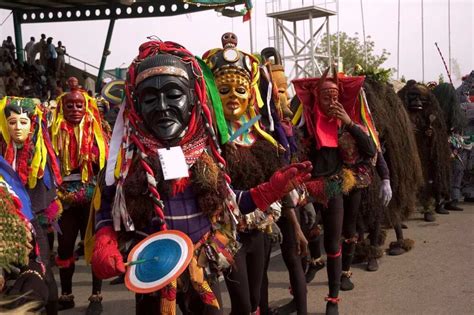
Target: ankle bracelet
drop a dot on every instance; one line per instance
(333, 300)
(95, 298)
(347, 273)
(316, 261)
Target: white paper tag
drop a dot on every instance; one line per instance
(173, 163)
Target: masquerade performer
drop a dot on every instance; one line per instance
(276, 116)
(341, 151)
(399, 174)
(252, 155)
(460, 151)
(82, 147)
(29, 151)
(465, 91)
(19, 252)
(166, 109)
(432, 140)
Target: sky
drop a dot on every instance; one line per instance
(202, 31)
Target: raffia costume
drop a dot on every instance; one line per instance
(431, 136)
(82, 147)
(400, 152)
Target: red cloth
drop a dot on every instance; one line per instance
(107, 262)
(282, 182)
(323, 128)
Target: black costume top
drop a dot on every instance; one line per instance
(328, 161)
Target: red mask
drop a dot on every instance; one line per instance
(74, 107)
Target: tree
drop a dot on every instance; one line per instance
(352, 51)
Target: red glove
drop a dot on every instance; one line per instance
(282, 182)
(107, 262)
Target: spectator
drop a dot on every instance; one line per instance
(43, 49)
(12, 88)
(59, 88)
(28, 89)
(89, 84)
(30, 58)
(8, 44)
(7, 66)
(51, 56)
(2, 66)
(38, 48)
(39, 67)
(19, 79)
(3, 91)
(60, 62)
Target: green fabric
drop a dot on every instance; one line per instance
(215, 101)
(332, 188)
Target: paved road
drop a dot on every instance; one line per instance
(436, 277)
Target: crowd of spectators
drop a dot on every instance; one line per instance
(42, 74)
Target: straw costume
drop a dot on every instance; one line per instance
(431, 135)
(82, 147)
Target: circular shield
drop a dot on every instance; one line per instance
(113, 91)
(157, 260)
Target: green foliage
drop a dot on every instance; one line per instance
(377, 74)
(352, 51)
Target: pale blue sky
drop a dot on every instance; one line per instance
(201, 31)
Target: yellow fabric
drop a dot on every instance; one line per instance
(365, 112)
(196, 273)
(299, 113)
(3, 120)
(168, 307)
(61, 139)
(41, 153)
(348, 181)
(264, 134)
(255, 80)
(118, 164)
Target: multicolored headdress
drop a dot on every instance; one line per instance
(131, 138)
(325, 129)
(37, 150)
(228, 64)
(83, 145)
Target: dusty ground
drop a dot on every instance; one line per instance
(436, 277)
